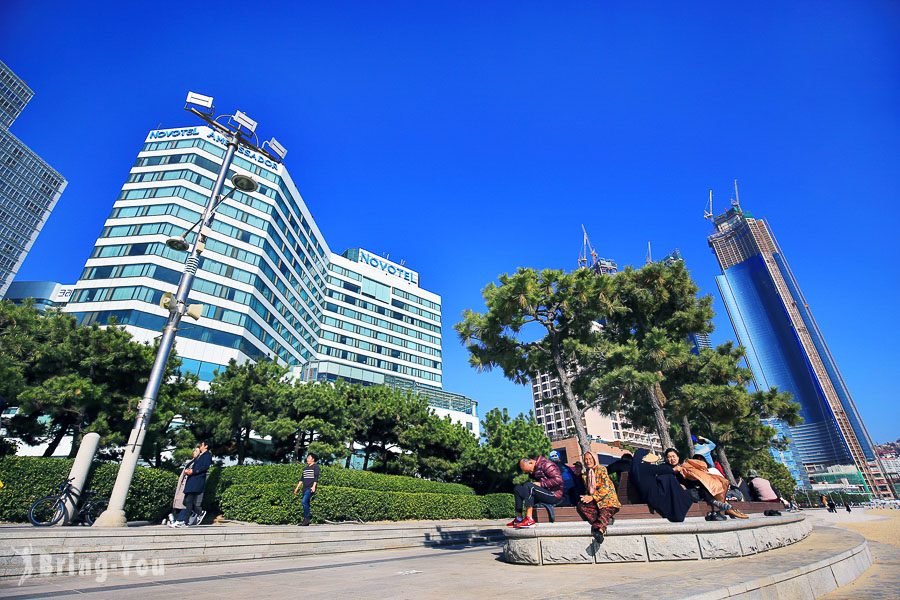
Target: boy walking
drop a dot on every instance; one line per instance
(309, 481)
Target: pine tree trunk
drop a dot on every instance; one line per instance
(571, 402)
(657, 401)
(76, 435)
(688, 436)
(243, 441)
(366, 459)
(60, 434)
(723, 460)
(298, 444)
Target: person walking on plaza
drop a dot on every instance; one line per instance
(194, 486)
(600, 503)
(309, 481)
(847, 505)
(546, 488)
(178, 500)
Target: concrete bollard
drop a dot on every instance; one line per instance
(81, 466)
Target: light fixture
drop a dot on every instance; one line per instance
(244, 183)
(199, 100)
(279, 150)
(177, 243)
(244, 121)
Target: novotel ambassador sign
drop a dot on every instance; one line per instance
(184, 132)
(386, 266)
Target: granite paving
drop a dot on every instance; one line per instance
(438, 572)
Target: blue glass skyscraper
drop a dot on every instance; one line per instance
(786, 350)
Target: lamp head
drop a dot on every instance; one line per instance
(244, 183)
(200, 100)
(177, 243)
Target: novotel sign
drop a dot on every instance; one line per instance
(387, 266)
(165, 134)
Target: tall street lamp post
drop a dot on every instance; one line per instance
(239, 131)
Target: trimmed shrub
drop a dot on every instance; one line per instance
(27, 478)
(329, 476)
(274, 503)
(498, 506)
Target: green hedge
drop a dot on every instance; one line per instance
(275, 504)
(28, 478)
(329, 476)
(261, 494)
(499, 506)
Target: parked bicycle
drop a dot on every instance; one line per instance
(53, 509)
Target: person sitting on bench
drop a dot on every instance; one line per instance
(600, 502)
(761, 489)
(546, 488)
(712, 487)
(658, 486)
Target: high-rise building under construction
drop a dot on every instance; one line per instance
(786, 350)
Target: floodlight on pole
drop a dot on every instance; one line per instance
(244, 121)
(200, 100)
(238, 132)
(279, 150)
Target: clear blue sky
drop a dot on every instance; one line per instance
(471, 138)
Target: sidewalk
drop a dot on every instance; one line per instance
(882, 529)
(453, 572)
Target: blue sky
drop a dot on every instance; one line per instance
(470, 138)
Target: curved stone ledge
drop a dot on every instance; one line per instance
(641, 541)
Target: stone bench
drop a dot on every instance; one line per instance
(568, 514)
(643, 540)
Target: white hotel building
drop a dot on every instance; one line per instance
(270, 285)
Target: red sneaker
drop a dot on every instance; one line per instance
(514, 522)
(526, 522)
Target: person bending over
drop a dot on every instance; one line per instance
(761, 489)
(600, 502)
(546, 487)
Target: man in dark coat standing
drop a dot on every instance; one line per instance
(195, 485)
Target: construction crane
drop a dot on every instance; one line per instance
(587, 250)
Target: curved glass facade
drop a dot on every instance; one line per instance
(263, 274)
(786, 350)
(269, 285)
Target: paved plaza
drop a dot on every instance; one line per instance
(478, 572)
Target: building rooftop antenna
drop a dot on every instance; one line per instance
(586, 250)
(649, 253)
(708, 213)
(736, 201)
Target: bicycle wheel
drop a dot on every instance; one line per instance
(91, 511)
(48, 511)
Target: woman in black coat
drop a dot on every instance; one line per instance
(660, 488)
(195, 485)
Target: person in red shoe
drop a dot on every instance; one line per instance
(546, 487)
